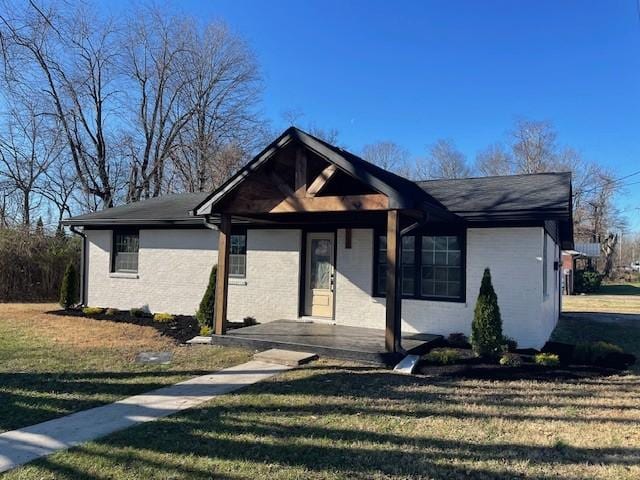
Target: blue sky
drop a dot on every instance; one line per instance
(415, 71)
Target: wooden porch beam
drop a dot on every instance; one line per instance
(301, 173)
(222, 275)
(295, 204)
(321, 180)
(394, 297)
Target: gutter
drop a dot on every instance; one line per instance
(83, 264)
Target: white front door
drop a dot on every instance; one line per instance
(319, 280)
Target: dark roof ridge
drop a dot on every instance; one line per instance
(479, 177)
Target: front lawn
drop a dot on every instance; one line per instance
(53, 365)
(332, 420)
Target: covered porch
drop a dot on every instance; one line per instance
(300, 182)
(328, 340)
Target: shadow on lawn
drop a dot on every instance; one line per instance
(29, 398)
(283, 424)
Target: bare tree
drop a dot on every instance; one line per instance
(28, 147)
(494, 160)
(225, 127)
(444, 160)
(388, 155)
(534, 146)
(58, 187)
(66, 57)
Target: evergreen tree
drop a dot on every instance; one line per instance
(204, 315)
(486, 329)
(69, 288)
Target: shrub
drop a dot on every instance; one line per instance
(92, 310)
(137, 312)
(547, 359)
(443, 356)
(204, 315)
(163, 317)
(458, 340)
(248, 321)
(510, 360)
(586, 281)
(509, 344)
(486, 329)
(112, 311)
(69, 287)
(205, 331)
(594, 353)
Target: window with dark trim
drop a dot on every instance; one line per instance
(238, 255)
(432, 266)
(124, 258)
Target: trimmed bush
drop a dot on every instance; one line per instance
(458, 340)
(92, 310)
(163, 317)
(204, 315)
(112, 311)
(69, 287)
(443, 356)
(547, 359)
(586, 281)
(594, 353)
(137, 312)
(486, 329)
(205, 331)
(249, 321)
(509, 344)
(510, 360)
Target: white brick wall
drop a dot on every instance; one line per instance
(512, 254)
(174, 267)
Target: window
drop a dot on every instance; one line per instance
(125, 251)
(238, 255)
(441, 267)
(432, 267)
(408, 261)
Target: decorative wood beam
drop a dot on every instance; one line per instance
(301, 173)
(321, 180)
(222, 275)
(346, 203)
(282, 185)
(394, 298)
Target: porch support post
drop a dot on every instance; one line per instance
(222, 275)
(394, 297)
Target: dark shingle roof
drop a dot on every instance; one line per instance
(169, 210)
(542, 194)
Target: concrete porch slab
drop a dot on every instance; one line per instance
(285, 357)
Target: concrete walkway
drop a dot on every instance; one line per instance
(27, 444)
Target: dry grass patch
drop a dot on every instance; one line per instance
(52, 365)
(602, 303)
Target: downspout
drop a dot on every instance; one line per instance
(83, 264)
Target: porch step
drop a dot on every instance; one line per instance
(407, 365)
(200, 340)
(285, 357)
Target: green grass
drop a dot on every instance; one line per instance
(51, 366)
(579, 328)
(619, 289)
(332, 421)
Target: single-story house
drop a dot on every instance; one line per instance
(309, 231)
